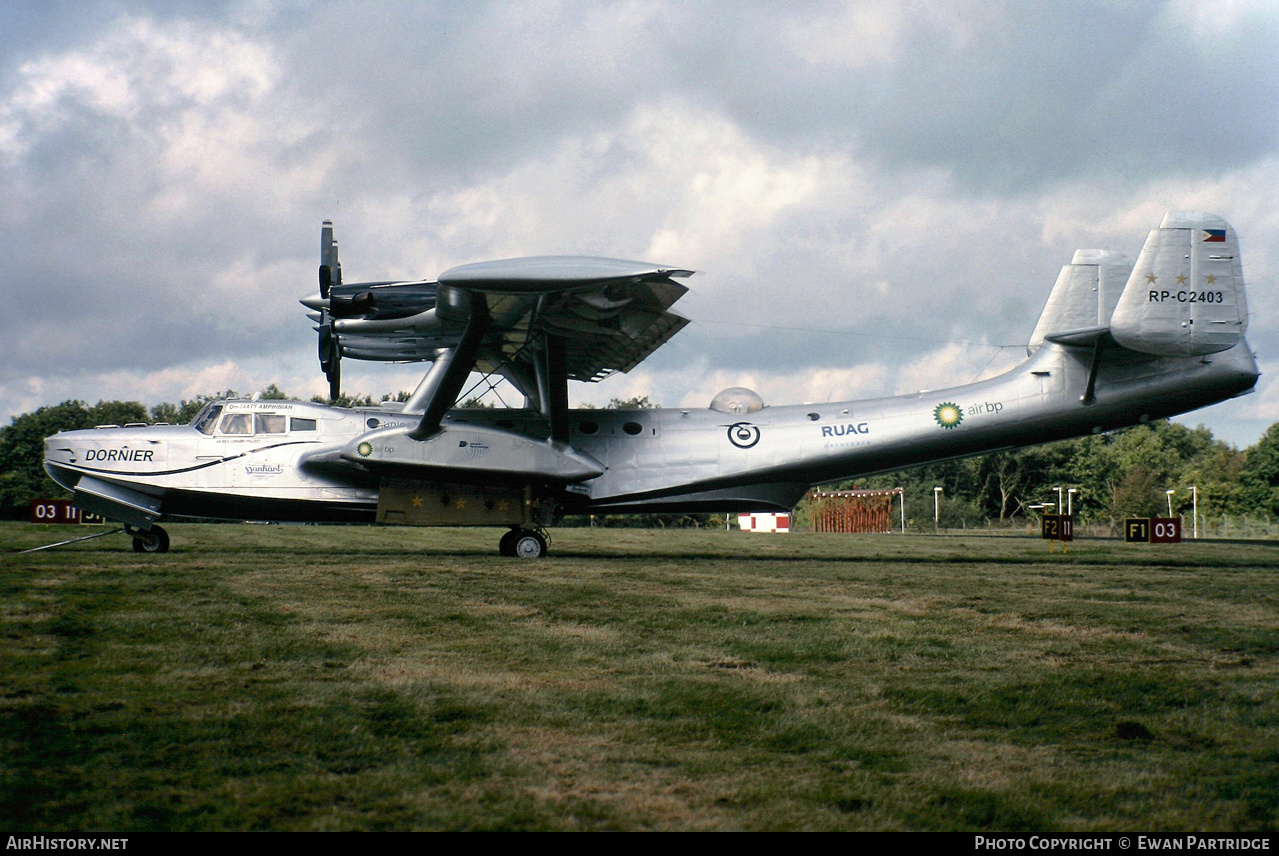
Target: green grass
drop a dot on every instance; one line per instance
(264, 677)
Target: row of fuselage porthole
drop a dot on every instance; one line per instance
(587, 427)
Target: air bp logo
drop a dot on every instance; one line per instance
(948, 414)
(364, 449)
(743, 435)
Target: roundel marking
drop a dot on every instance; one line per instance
(948, 414)
(364, 449)
(743, 435)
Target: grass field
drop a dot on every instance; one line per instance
(265, 677)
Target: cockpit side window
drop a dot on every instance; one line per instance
(207, 418)
(269, 423)
(237, 423)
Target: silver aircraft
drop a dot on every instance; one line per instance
(1119, 343)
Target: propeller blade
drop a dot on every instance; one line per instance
(330, 267)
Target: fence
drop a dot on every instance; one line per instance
(852, 510)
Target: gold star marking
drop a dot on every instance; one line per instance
(1150, 278)
(1211, 279)
(501, 506)
(417, 502)
(461, 503)
(1181, 279)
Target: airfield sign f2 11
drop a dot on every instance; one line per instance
(1058, 527)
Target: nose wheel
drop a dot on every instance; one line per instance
(522, 544)
(154, 540)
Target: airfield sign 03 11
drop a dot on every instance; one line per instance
(60, 511)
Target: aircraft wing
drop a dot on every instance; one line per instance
(610, 313)
(613, 314)
(537, 321)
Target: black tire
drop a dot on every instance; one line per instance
(506, 547)
(156, 540)
(529, 545)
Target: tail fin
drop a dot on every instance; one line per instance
(1084, 297)
(1186, 294)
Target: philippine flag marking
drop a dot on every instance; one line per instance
(1214, 236)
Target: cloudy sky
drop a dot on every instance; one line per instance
(877, 196)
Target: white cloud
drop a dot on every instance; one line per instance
(853, 35)
(952, 364)
(139, 72)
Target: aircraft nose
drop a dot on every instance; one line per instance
(58, 451)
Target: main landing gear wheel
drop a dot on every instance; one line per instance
(522, 544)
(156, 540)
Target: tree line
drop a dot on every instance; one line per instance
(1118, 474)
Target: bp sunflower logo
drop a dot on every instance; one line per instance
(364, 449)
(948, 414)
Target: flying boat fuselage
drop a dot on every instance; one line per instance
(280, 460)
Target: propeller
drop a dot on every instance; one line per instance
(329, 346)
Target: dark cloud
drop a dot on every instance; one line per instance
(1006, 96)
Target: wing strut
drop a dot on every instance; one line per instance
(438, 391)
(552, 385)
(1089, 395)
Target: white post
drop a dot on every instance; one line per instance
(936, 508)
(1194, 493)
(1170, 492)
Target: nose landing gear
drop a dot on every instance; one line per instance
(154, 540)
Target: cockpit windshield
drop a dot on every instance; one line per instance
(207, 418)
(213, 418)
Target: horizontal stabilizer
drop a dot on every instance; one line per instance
(1084, 337)
(1082, 300)
(1186, 294)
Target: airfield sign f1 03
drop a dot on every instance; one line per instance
(1153, 530)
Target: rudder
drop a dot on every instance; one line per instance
(1186, 295)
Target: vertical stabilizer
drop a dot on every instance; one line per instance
(1186, 294)
(1085, 295)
